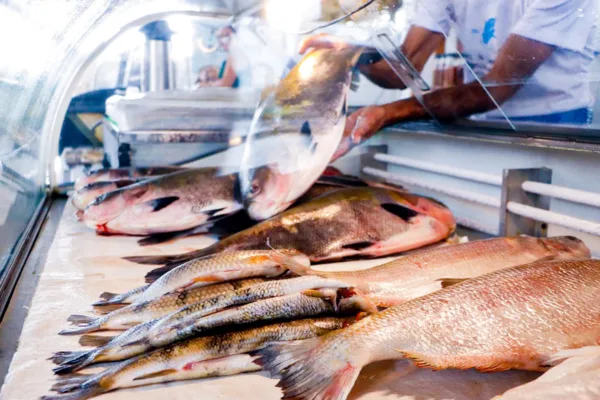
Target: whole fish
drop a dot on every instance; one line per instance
(429, 270)
(195, 358)
(173, 202)
(137, 313)
(288, 307)
(113, 174)
(87, 194)
(296, 131)
(369, 222)
(260, 291)
(575, 378)
(219, 267)
(515, 318)
(118, 348)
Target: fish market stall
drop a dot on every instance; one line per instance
(317, 200)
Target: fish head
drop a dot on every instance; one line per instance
(87, 194)
(265, 192)
(112, 204)
(566, 247)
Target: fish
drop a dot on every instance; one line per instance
(293, 306)
(117, 349)
(575, 378)
(113, 174)
(514, 318)
(295, 131)
(260, 291)
(429, 270)
(133, 314)
(168, 203)
(87, 194)
(219, 267)
(367, 222)
(196, 358)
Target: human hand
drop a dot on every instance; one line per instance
(360, 126)
(321, 41)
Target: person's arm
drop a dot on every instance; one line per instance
(228, 78)
(419, 45)
(517, 61)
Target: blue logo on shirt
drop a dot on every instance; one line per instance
(489, 30)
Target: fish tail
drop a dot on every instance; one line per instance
(95, 340)
(301, 374)
(85, 324)
(70, 382)
(291, 264)
(62, 356)
(81, 394)
(76, 363)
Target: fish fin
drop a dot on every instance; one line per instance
(402, 212)
(358, 246)
(82, 394)
(62, 356)
(211, 213)
(326, 294)
(95, 340)
(305, 129)
(107, 308)
(176, 258)
(160, 203)
(420, 360)
(498, 367)
(164, 372)
(108, 295)
(351, 300)
(447, 282)
(587, 351)
(204, 279)
(547, 258)
(156, 273)
(301, 376)
(137, 342)
(77, 319)
(291, 264)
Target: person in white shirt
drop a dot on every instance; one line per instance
(533, 56)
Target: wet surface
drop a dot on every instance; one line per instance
(81, 265)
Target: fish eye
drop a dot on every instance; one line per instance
(254, 188)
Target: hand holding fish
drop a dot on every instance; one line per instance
(322, 41)
(360, 126)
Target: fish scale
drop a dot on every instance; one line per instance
(140, 312)
(513, 318)
(191, 359)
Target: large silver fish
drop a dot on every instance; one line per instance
(516, 318)
(296, 131)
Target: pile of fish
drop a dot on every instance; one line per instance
(231, 312)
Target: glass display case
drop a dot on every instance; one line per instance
(490, 108)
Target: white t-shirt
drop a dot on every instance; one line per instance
(559, 84)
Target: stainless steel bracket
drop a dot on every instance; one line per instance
(512, 191)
